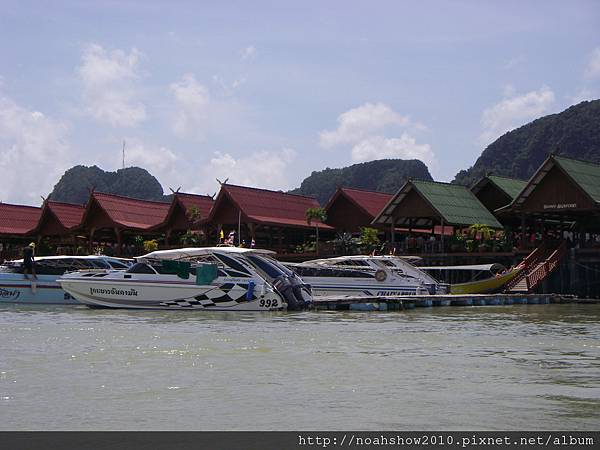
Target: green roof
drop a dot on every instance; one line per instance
(455, 203)
(585, 174)
(511, 186)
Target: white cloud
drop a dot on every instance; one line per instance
(358, 123)
(192, 101)
(109, 90)
(364, 128)
(405, 147)
(34, 152)
(584, 94)
(248, 53)
(264, 169)
(514, 111)
(593, 68)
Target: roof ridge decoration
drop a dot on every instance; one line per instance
(582, 161)
(363, 190)
(194, 195)
(20, 206)
(95, 193)
(505, 177)
(78, 205)
(266, 190)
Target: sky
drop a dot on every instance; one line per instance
(264, 93)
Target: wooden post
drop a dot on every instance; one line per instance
(252, 228)
(280, 239)
(119, 240)
(393, 231)
(239, 228)
(91, 241)
(522, 241)
(442, 237)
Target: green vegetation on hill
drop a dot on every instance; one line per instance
(573, 133)
(75, 185)
(384, 175)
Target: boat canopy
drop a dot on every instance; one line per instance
(494, 268)
(193, 252)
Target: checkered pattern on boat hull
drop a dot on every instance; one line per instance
(225, 295)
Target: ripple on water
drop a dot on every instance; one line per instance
(488, 367)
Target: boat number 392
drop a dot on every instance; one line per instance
(268, 303)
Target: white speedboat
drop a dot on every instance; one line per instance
(212, 278)
(44, 289)
(366, 276)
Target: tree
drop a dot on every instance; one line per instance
(150, 246)
(320, 216)
(482, 230)
(193, 213)
(368, 241)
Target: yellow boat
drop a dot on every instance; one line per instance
(482, 278)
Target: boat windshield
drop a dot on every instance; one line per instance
(331, 271)
(269, 266)
(58, 266)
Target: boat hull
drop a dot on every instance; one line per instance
(487, 286)
(225, 296)
(45, 290)
(321, 289)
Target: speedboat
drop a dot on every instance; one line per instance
(44, 289)
(211, 278)
(366, 276)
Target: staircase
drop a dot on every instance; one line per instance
(537, 266)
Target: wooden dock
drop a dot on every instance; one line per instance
(397, 303)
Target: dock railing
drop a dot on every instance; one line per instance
(544, 269)
(536, 268)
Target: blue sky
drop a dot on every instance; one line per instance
(266, 92)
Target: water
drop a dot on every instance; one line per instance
(506, 367)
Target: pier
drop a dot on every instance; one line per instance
(397, 303)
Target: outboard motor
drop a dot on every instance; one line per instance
(297, 295)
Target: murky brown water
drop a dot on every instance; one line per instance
(507, 367)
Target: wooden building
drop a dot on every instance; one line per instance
(425, 204)
(58, 219)
(495, 191)
(114, 218)
(272, 219)
(562, 192)
(17, 223)
(180, 218)
(350, 209)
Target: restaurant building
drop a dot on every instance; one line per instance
(426, 204)
(271, 219)
(494, 191)
(110, 218)
(350, 209)
(17, 223)
(187, 212)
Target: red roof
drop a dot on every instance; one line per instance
(18, 219)
(204, 203)
(177, 218)
(68, 214)
(129, 212)
(269, 207)
(370, 201)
